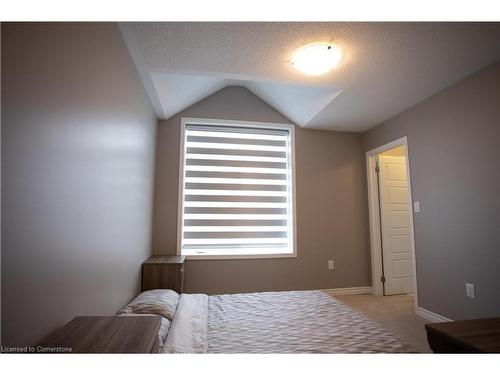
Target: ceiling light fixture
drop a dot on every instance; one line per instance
(316, 59)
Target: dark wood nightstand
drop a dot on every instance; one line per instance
(465, 336)
(105, 334)
(163, 272)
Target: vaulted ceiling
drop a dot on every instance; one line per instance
(386, 67)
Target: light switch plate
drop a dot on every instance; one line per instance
(416, 206)
(469, 290)
(331, 265)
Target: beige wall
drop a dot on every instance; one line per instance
(454, 150)
(331, 207)
(77, 168)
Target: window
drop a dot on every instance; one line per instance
(236, 196)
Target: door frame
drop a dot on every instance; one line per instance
(374, 209)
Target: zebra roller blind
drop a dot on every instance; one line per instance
(236, 191)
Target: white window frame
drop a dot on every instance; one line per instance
(182, 153)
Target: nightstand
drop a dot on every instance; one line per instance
(105, 334)
(163, 272)
(465, 336)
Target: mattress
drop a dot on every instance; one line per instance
(275, 322)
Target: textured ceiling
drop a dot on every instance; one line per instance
(386, 67)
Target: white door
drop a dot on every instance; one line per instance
(396, 231)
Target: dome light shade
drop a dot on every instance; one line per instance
(316, 59)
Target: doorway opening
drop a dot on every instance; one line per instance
(391, 220)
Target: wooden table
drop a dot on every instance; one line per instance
(163, 272)
(465, 336)
(105, 334)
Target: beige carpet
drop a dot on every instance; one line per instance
(395, 313)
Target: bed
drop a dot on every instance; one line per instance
(266, 322)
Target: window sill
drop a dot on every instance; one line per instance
(243, 256)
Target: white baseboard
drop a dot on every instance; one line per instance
(431, 316)
(348, 291)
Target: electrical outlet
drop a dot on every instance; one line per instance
(331, 265)
(469, 290)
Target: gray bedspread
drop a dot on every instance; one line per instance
(293, 322)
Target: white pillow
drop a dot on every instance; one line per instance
(161, 302)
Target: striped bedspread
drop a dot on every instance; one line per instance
(275, 322)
